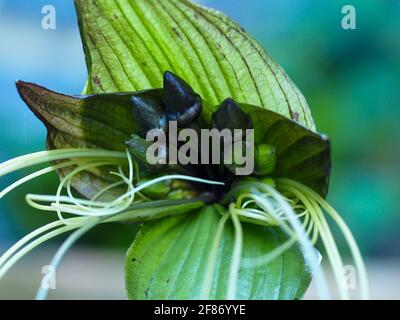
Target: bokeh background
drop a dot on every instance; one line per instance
(351, 79)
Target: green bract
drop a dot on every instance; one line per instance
(167, 262)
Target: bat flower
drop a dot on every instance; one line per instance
(230, 193)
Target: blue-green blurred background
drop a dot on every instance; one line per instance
(350, 78)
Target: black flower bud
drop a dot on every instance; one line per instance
(182, 104)
(149, 113)
(230, 116)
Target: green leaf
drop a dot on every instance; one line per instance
(129, 44)
(168, 260)
(103, 121)
(302, 155)
(89, 119)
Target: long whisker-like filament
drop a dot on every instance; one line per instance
(37, 174)
(327, 238)
(54, 155)
(66, 245)
(236, 255)
(359, 263)
(208, 278)
(31, 236)
(279, 208)
(29, 247)
(289, 205)
(91, 211)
